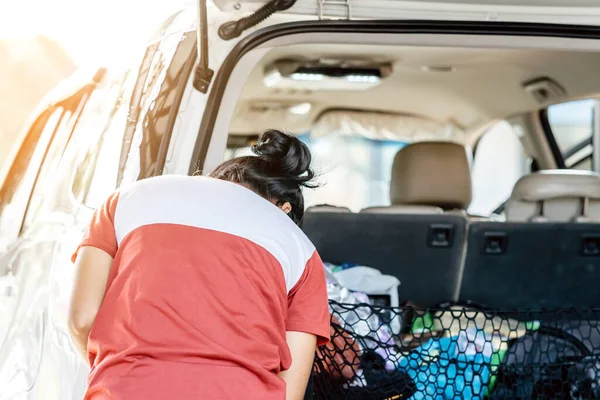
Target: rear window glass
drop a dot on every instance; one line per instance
(572, 124)
(354, 171)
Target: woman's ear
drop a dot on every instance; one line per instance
(286, 207)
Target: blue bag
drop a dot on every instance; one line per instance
(450, 368)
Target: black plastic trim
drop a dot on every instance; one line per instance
(500, 209)
(486, 28)
(558, 157)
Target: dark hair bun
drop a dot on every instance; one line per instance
(279, 172)
(286, 154)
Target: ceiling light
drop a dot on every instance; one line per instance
(362, 78)
(303, 81)
(301, 76)
(329, 74)
(300, 109)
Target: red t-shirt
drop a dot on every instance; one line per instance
(206, 280)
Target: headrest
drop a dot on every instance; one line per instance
(400, 210)
(433, 174)
(326, 208)
(555, 196)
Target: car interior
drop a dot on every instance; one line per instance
(398, 136)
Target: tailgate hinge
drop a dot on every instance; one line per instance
(233, 29)
(334, 3)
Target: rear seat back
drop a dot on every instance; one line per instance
(413, 239)
(526, 264)
(532, 266)
(321, 208)
(423, 251)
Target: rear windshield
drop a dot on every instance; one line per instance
(354, 171)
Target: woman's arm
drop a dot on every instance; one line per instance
(93, 266)
(302, 347)
(307, 325)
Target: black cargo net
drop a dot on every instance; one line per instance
(458, 352)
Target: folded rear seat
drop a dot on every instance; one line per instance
(413, 239)
(547, 254)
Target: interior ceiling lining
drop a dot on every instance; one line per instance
(486, 84)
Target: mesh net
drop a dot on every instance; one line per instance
(458, 352)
